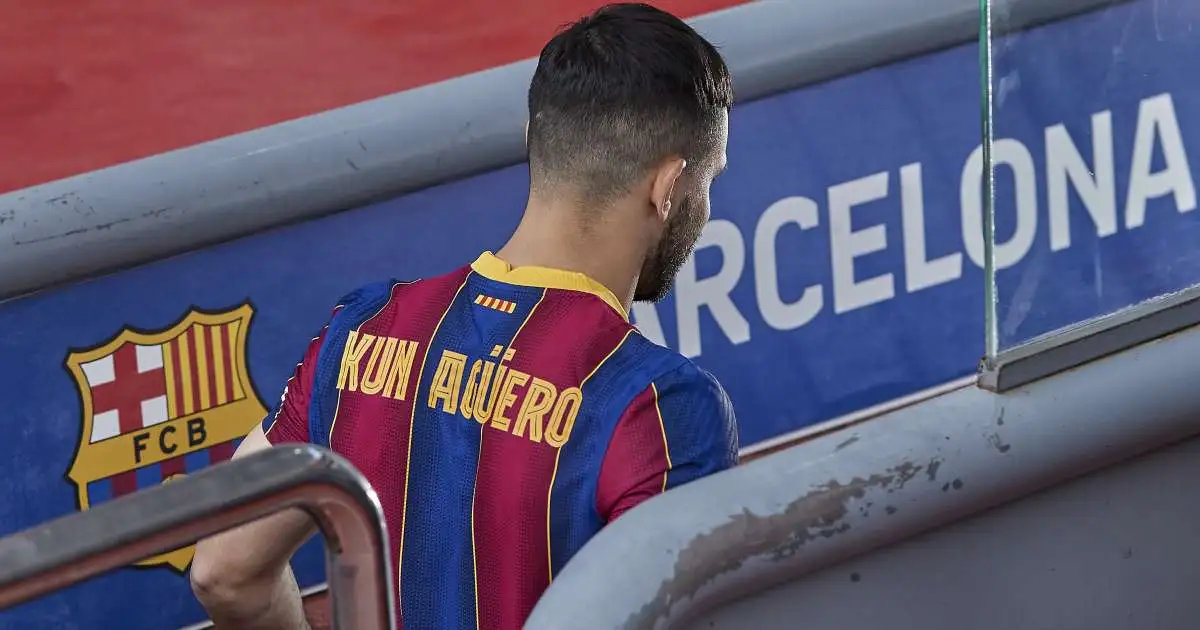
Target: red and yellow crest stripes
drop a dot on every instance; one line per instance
(156, 405)
(203, 369)
(504, 306)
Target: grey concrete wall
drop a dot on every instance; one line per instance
(1115, 550)
(787, 517)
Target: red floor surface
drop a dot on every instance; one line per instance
(90, 83)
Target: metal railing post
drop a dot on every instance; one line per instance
(74, 548)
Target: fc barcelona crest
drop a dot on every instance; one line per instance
(158, 405)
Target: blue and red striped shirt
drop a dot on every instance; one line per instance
(503, 415)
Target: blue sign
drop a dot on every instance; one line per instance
(841, 270)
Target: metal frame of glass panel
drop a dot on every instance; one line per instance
(1005, 368)
(1091, 340)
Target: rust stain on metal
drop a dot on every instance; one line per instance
(820, 513)
(931, 470)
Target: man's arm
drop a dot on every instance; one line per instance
(242, 576)
(679, 429)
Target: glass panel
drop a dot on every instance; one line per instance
(1094, 115)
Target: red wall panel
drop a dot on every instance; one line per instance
(86, 84)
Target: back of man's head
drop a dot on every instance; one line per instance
(616, 93)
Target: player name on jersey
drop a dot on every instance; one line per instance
(488, 392)
(387, 370)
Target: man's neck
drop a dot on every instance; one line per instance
(554, 238)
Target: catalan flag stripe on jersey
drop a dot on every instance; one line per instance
(503, 416)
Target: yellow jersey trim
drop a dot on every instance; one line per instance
(493, 268)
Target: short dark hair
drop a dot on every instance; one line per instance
(618, 91)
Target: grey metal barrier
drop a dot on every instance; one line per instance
(74, 548)
(783, 518)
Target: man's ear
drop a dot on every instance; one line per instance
(526, 134)
(662, 189)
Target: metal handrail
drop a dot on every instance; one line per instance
(74, 548)
(789, 515)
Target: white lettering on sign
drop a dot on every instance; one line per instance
(1158, 127)
(920, 272)
(854, 226)
(777, 313)
(846, 244)
(1095, 184)
(692, 293)
(1013, 155)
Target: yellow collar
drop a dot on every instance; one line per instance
(489, 266)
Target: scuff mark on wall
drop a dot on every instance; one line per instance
(819, 513)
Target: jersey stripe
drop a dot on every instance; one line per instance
(338, 405)
(413, 402)
(483, 441)
(296, 395)
(663, 428)
(558, 456)
(517, 460)
(447, 464)
(609, 392)
(636, 463)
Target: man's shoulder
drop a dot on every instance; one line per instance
(666, 362)
(370, 299)
(669, 372)
(372, 293)
(688, 401)
(355, 307)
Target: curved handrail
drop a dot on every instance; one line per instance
(74, 548)
(912, 470)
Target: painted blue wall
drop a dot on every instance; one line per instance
(888, 322)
